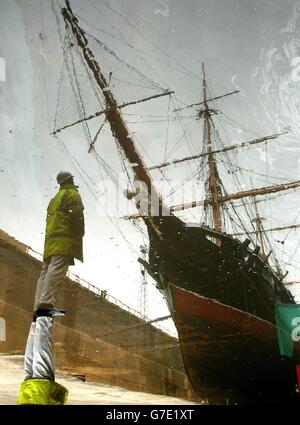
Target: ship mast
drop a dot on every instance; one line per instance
(260, 231)
(213, 179)
(113, 115)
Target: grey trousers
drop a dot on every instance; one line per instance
(53, 271)
(39, 355)
(39, 358)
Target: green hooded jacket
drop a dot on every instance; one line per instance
(65, 224)
(42, 391)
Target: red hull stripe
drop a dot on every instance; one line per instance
(194, 305)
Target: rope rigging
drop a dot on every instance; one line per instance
(229, 210)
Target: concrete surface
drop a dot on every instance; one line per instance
(83, 393)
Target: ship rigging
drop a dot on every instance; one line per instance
(220, 288)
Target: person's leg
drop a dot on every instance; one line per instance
(28, 357)
(57, 270)
(40, 283)
(43, 366)
(43, 356)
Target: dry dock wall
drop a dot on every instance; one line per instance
(97, 338)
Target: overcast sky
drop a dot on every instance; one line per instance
(249, 45)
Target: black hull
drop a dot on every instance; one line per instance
(231, 356)
(225, 362)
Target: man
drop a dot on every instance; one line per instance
(63, 243)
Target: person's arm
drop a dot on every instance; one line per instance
(75, 208)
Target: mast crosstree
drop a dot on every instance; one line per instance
(225, 149)
(239, 195)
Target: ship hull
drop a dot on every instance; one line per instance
(223, 306)
(231, 356)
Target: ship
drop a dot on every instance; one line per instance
(221, 288)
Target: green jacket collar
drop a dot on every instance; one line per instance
(69, 186)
